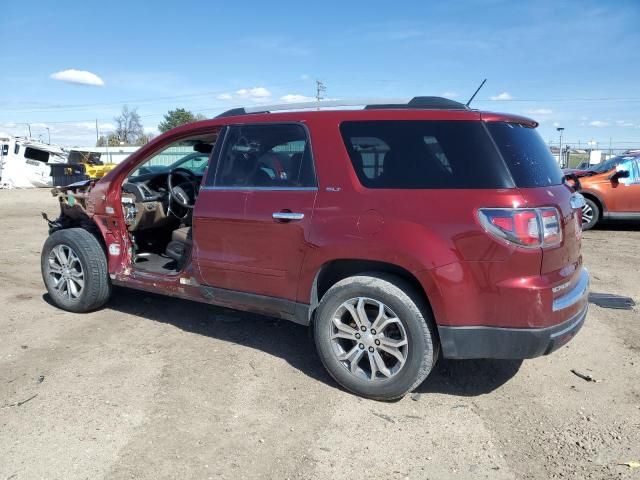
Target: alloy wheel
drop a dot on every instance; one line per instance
(587, 214)
(65, 271)
(368, 339)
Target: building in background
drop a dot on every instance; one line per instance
(111, 154)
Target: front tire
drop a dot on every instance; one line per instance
(374, 334)
(74, 270)
(590, 214)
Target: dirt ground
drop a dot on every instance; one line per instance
(152, 387)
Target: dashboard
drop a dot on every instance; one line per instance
(146, 202)
(148, 188)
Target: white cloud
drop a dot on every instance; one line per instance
(304, 76)
(556, 124)
(502, 96)
(540, 111)
(450, 94)
(253, 93)
(149, 130)
(624, 123)
(294, 98)
(80, 77)
(598, 123)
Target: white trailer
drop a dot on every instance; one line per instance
(25, 163)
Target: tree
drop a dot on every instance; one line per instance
(110, 140)
(113, 140)
(128, 127)
(177, 117)
(144, 139)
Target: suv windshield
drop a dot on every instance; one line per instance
(611, 163)
(527, 156)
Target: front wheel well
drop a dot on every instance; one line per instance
(594, 199)
(66, 221)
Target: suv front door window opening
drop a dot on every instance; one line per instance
(157, 201)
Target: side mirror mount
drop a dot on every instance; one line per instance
(618, 175)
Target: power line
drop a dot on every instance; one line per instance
(550, 100)
(320, 89)
(212, 108)
(80, 106)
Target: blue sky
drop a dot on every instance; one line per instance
(569, 63)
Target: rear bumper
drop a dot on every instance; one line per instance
(465, 342)
(508, 343)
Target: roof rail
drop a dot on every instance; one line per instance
(428, 103)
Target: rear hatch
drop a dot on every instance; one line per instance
(538, 177)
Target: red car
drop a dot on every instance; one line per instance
(399, 233)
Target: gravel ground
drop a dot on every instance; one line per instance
(152, 387)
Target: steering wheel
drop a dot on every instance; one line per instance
(182, 193)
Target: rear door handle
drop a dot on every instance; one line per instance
(288, 216)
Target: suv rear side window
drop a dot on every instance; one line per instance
(266, 156)
(424, 154)
(527, 156)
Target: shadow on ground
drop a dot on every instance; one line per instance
(293, 342)
(618, 225)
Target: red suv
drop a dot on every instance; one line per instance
(397, 232)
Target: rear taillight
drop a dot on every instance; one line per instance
(551, 231)
(527, 227)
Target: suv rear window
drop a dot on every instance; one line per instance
(424, 154)
(527, 156)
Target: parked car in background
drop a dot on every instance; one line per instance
(399, 233)
(581, 167)
(611, 190)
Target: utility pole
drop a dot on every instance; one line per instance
(28, 126)
(560, 156)
(320, 89)
(97, 136)
(48, 134)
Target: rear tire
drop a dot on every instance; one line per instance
(74, 270)
(590, 214)
(382, 364)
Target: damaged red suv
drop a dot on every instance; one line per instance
(398, 232)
